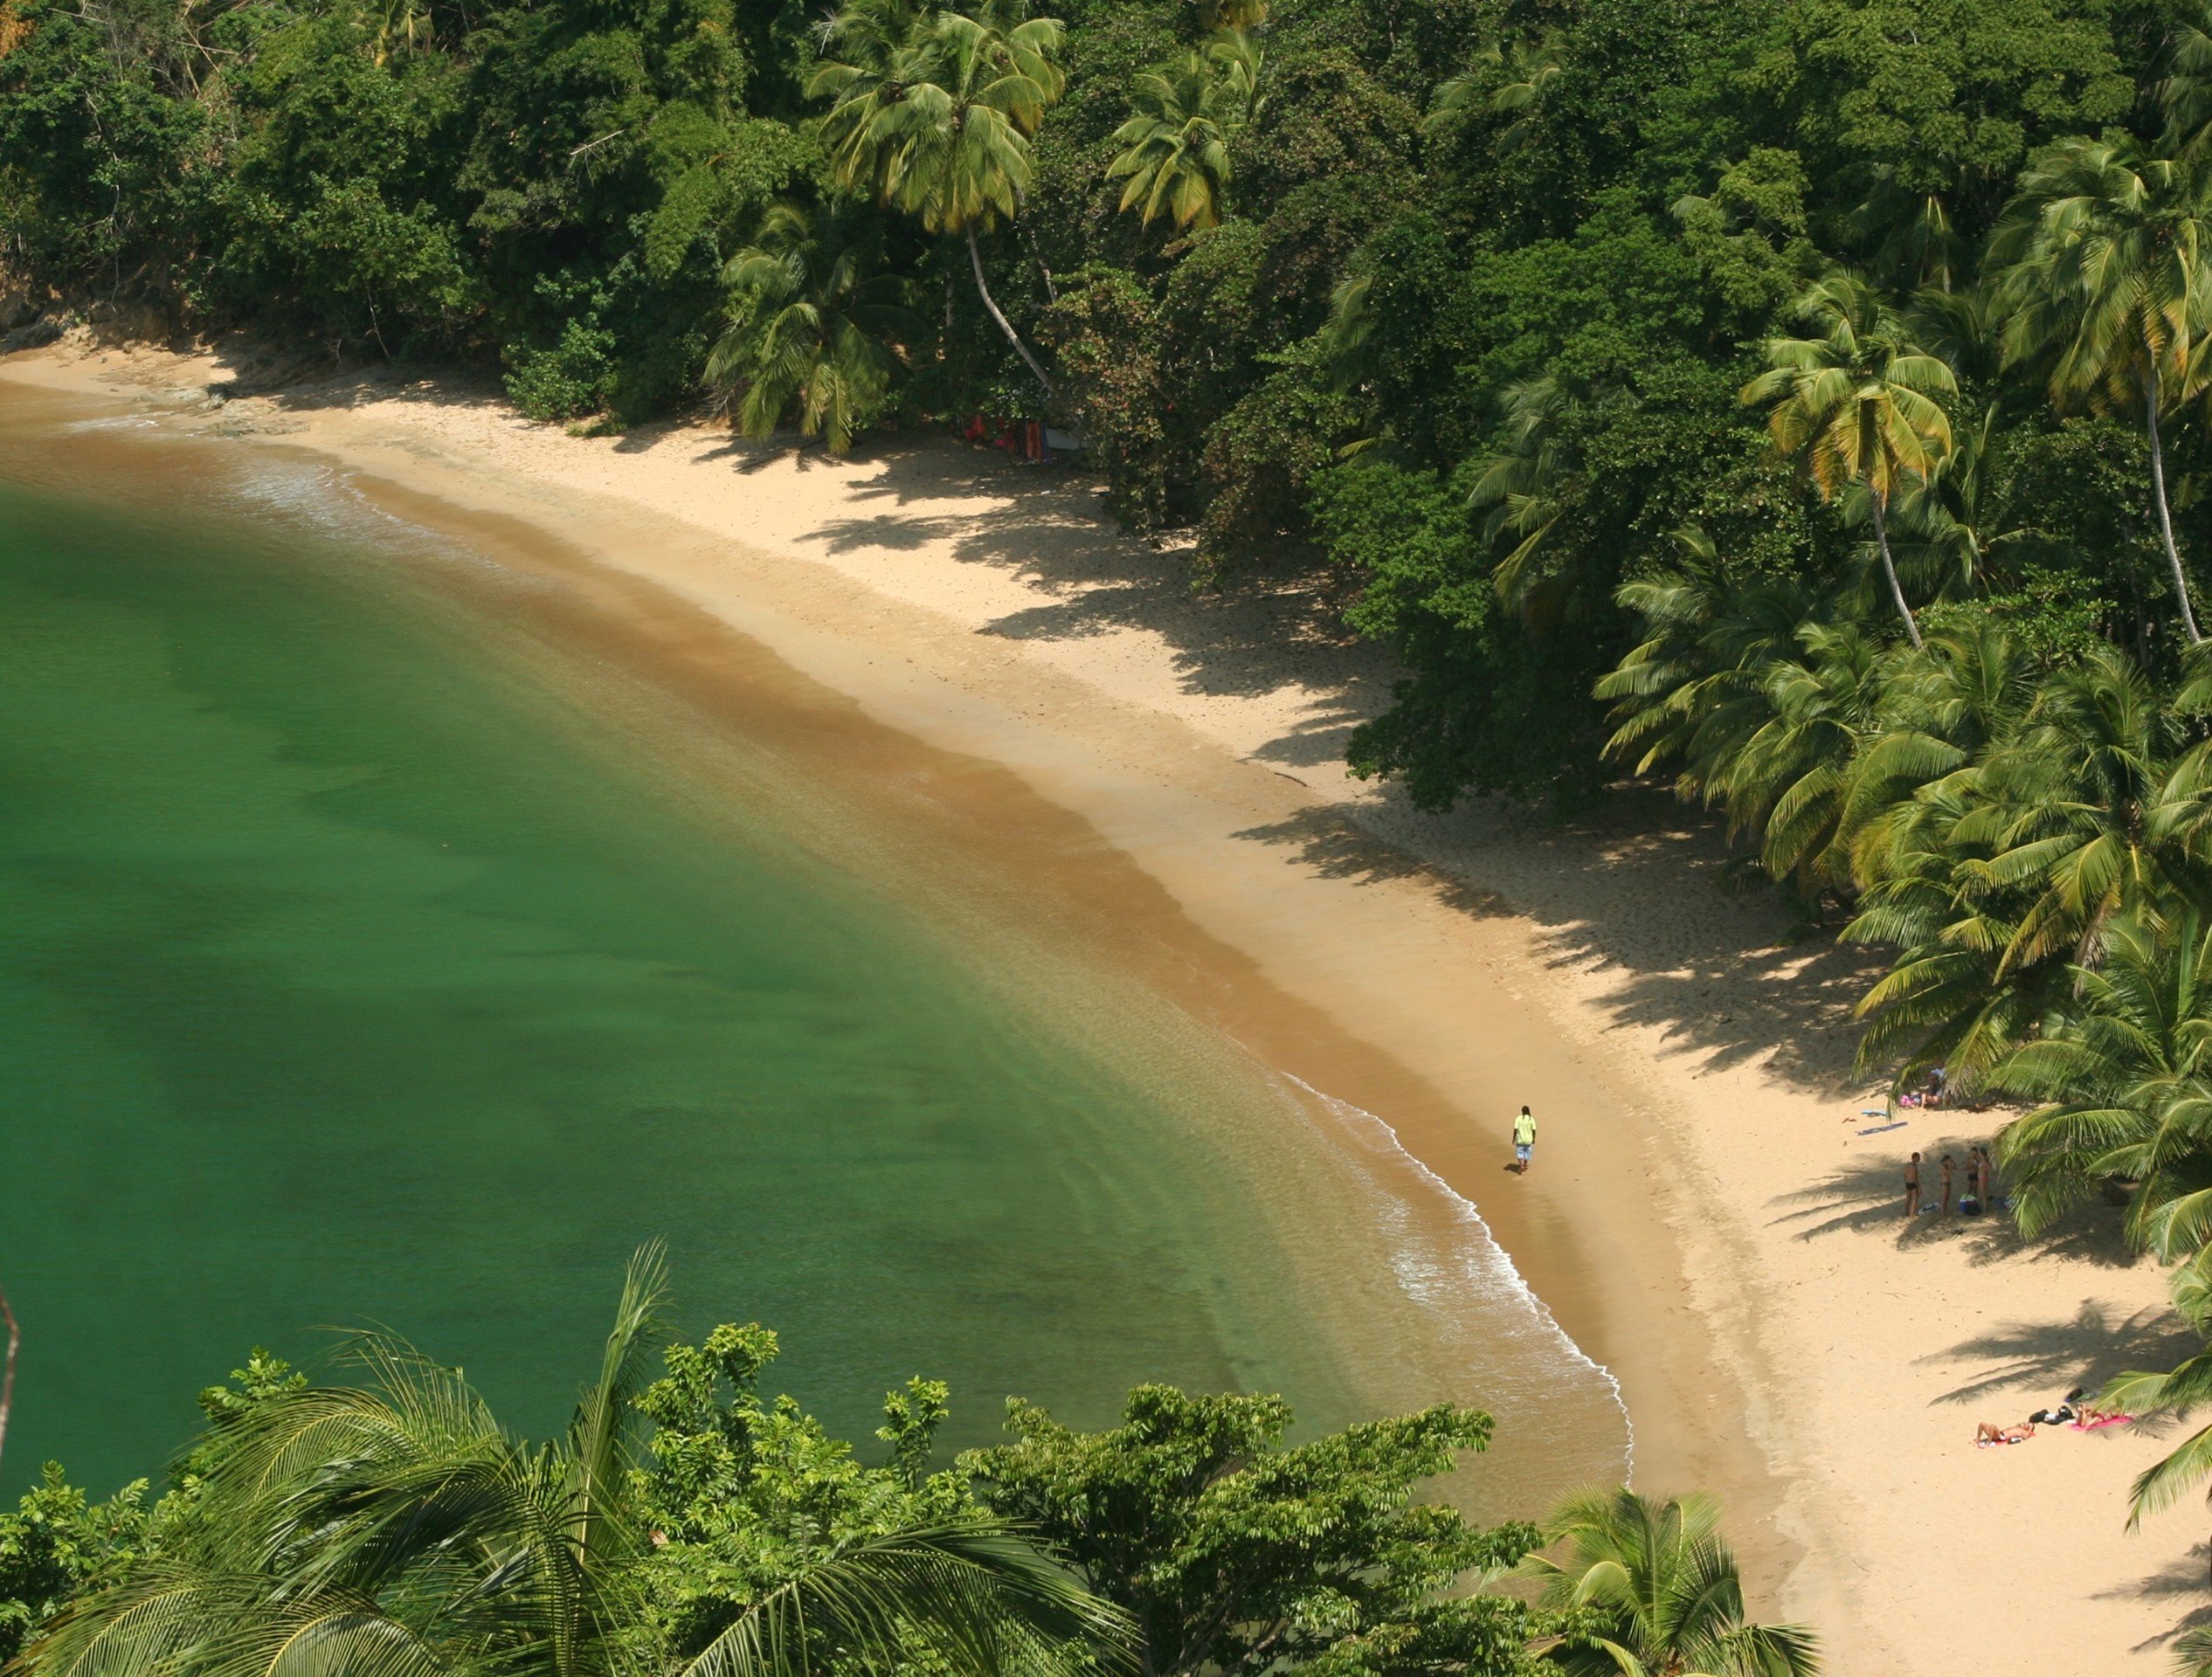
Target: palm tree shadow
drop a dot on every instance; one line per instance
(2087, 1349)
(1867, 1197)
(1279, 628)
(1634, 893)
(2178, 1580)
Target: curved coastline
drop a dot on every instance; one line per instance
(986, 856)
(1704, 1220)
(1366, 978)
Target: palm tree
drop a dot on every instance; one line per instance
(1856, 405)
(397, 1530)
(809, 325)
(1793, 778)
(1949, 999)
(2185, 94)
(2127, 1079)
(1944, 710)
(1524, 485)
(2029, 836)
(932, 112)
(1699, 686)
(862, 47)
(1175, 145)
(1663, 1587)
(1510, 78)
(1914, 238)
(1940, 536)
(2089, 812)
(2102, 259)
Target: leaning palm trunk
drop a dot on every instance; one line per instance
(2151, 391)
(982, 289)
(1890, 569)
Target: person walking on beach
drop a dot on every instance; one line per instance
(1912, 1186)
(1524, 1141)
(1947, 1168)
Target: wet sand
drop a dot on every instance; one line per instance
(1703, 1218)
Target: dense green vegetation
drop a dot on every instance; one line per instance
(686, 1524)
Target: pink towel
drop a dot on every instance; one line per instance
(2108, 1420)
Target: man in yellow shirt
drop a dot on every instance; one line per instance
(1524, 1141)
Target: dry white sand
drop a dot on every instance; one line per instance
(1704, 1216)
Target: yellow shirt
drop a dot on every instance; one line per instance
(1525, 1131)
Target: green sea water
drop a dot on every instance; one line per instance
(367, 956)
(342, 979)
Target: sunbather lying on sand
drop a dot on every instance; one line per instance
(2093, 1419)
(1990, 1433)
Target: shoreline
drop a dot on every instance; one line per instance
(1692, 1223)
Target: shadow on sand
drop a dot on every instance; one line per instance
(2180, 1580)
(1867, 1196)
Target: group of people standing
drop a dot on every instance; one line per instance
(1981, 1184)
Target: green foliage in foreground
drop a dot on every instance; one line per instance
(1656, 1586)
(684, 1525)
(1234, 1554)
(57, 1546)
(396, 1528)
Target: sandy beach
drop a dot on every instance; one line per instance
(1705, 1217)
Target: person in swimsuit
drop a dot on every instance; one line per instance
(1912, 1186)
(1947, 1168)
(1990, 1432)
(1524, 1141)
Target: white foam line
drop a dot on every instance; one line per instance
(331, 501)
(1464, 1208)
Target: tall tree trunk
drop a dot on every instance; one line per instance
(975, 256)
(2166, 519)
(1890, 569)
(8, 1379)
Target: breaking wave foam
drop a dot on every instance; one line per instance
(1474, 1265)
